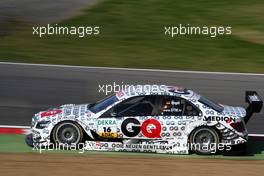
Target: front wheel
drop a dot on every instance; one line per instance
(204, 140)
(67, 133)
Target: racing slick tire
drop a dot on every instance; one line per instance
(68, 133)
(204, 140)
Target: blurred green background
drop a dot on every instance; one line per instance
(132, 35)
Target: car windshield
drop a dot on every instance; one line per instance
(102, 104)
(211, 104)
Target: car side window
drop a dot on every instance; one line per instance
(172, 106)
(135, 106)
(190, 110)
(176, 106)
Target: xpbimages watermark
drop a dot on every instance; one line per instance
(212, 31)
(115, 87)
(80, 31)
(80, 147)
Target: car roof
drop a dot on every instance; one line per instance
(147, 89)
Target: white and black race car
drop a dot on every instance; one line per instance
(147, 118)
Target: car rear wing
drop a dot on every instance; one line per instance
(255, 104)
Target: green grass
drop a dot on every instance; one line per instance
(132, 35)
(15, 143)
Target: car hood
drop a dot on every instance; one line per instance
(64, 111)
(234, 111)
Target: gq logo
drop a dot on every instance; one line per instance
(150, 128)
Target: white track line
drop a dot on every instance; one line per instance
(12, 126)
(256, 135)
(134, 69)
(28, 127)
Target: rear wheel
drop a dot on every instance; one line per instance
(67, 133)
(204, 140)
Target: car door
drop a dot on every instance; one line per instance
(125, 119)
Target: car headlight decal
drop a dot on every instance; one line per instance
(42, 124)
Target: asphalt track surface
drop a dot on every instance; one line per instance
(27, 89)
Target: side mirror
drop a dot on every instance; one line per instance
(113, 114)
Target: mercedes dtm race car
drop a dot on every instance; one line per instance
(147, 118)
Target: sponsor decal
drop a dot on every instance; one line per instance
(108, 135)
(151, 132)
(135, 127)
(50, 113)
(106, 122)
(107, 128)
(76, 110)
(150, 128)
(219, 118)
(120, 94)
